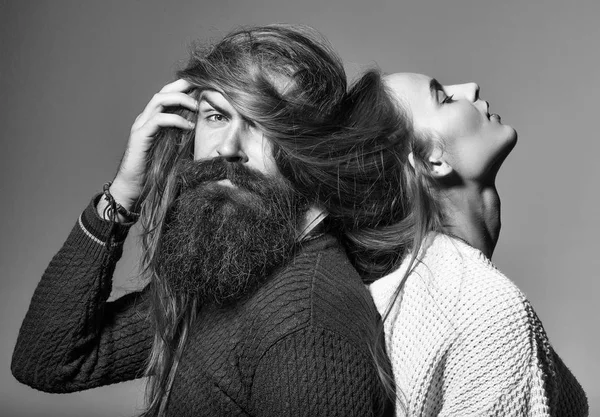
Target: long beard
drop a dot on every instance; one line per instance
(220, 242)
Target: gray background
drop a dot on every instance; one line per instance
(74, 74)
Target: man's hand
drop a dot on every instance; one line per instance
(127, 185)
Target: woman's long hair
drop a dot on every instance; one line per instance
(384, 206)
(288, 81)
(402, 205)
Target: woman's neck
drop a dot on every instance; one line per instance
(472, 214)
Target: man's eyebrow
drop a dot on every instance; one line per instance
(215, 106)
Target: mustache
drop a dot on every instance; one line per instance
(191, 174)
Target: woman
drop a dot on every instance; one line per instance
(462, 339)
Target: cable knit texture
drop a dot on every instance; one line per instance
(298, 346)
(464, 341)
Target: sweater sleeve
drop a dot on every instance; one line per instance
(502, 364)
(71, 338)
(314, 372)
(551, 376)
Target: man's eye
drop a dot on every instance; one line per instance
(216, 118)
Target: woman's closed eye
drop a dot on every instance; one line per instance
(444, 98)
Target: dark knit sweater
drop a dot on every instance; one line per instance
(299, 345)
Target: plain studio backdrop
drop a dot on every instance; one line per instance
(75, 74)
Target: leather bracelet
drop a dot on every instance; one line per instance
(113, 207)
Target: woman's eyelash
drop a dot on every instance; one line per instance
(448, 99)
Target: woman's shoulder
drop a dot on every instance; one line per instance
(480, 289)
(457, 280)
(455, 264)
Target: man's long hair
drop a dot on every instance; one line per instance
(288, 81)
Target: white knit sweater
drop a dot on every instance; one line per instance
(464, 341)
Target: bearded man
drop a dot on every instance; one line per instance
(252, 308)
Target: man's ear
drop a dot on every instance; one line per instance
(438, 167)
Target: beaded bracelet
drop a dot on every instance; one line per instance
(110, 212)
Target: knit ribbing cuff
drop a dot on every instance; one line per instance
(99, 229)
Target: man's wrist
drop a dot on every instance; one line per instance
(114, 206)
(101, 228)
(105, 212)
(123, 194)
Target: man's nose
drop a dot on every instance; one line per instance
(231, 145)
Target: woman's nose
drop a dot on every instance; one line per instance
(472, 91)
(468, 91)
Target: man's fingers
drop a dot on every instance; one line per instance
(165, 120)
(170, 95)
(161, 100)
(173, 99)
(177, 86)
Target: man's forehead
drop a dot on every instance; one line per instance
(214, 97)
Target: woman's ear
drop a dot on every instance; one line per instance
(438, 167)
